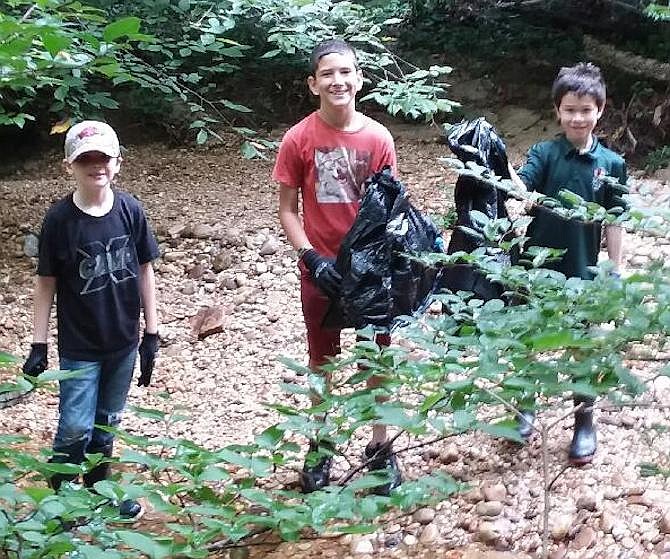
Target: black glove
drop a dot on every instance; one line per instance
(147, 350)
(37, 360)
(323, 272)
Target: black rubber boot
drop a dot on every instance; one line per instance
(73, 454)
(383, 459)
(584, 442)
(316, 476)
(525, 420)
(129, 509)
(101, 471)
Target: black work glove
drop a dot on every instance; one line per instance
(37, 360)
(147, 350)
(323, 272)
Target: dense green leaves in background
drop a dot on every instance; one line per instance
(209, 66)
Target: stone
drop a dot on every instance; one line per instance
(450, 454)
(270, 246)
(189, 288)
(429, 534)
(585, 538)
(221, 262)
(664, 522)
(409, 540)
(174, 256)
(197, 271)
(473, 496)
(607, 522)
(587, 501)
(489, 508)
(560, 526)
(494, 492)
(176, 230)
(361, 546)
(424, 515)
(202, 231)
(209, 320)
(487, 533)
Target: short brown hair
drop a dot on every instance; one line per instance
(331, 46)
(581, 79)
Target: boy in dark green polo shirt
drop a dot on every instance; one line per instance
(575, 161)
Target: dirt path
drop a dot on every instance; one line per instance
(214, 212)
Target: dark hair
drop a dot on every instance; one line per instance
(581, 79)
(331, 46)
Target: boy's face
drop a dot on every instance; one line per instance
(94, 170)
(578, 115)
(336, 80)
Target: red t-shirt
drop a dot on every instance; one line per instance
(330, 166)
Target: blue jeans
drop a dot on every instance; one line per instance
(96, 396)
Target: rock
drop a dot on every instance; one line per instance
(221, 262)
(473, 496)
(494, 492)
(239, 553)
(241, 279)
(424, 515)
(361, 546)
(176, 230)
(209, 320)
(487, 533)
(409, 540)
(560, 526)
(261, 268)
(229, 282)
(664, 522)
(585, 538)
(202, 231)
(489, 508)
(174, 256)
(587, 501)
(189, 288)
(606, 522)
(197, 271)
(270, 246)
(429, 534)
(450, 454)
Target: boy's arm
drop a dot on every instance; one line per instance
(290, 218)
(43, 298)
(148, 296)
(614, 236)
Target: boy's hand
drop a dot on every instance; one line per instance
(323, 272)
(37, 360)
(147, 350)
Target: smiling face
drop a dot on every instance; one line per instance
(94, 170)
(336, 81)
(578, 116)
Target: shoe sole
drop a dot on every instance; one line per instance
(581, 461)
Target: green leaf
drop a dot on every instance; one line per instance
(6, 358)
(504, 430)
(55, 43)
(249, 151)
(201, 138)
(122, 27)
(144, 544)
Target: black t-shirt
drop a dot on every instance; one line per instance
(96, 263)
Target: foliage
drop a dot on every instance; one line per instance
(478, 361)
(198, 59)
(658, 159)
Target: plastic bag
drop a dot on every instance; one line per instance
(475, 141)
(379, 283)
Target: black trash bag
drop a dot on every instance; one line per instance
(476, 141)
(379, 283)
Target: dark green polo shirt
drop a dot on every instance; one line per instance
(556, 165)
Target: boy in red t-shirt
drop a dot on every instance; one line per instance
(326, 157)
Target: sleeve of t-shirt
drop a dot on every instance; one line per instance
(289, 165)
(532, 173)
(145, 242)
(46, 259)
(389, 156)
(614, 198)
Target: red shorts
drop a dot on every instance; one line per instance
(322, 343)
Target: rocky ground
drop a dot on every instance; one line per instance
(215, 215)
